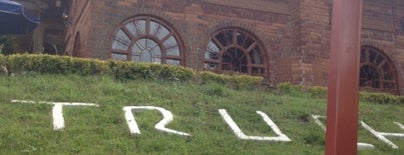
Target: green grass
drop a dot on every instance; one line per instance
(27, 128)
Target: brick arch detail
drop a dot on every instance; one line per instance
(148, 12)
(271, 45)
(141, 12)
(391, 55)
(206, 35)
(118, 20)
(389, 52)
(231, 23)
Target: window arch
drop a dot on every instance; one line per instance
(235, 50)
(377, 72)
(147, 39)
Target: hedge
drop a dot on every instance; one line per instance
(321, 92)
(52, 64)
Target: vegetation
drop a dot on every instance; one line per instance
(7, 45)
(194, 99)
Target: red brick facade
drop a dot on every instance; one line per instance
(294, 34)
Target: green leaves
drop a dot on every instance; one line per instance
(51, 64)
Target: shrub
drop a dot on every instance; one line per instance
(381, 98)
(289, 88)
(207, 77)
(129, 70)
(317, 91)
(233, 81)
(41, 63)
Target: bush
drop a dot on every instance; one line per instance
(51, 64)
(129, 70)
(233, 81)
(40, 63)
(317, 91)
(289, 88)
(381, 98)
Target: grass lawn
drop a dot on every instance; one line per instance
(28, 129)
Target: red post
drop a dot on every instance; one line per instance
(343, 85)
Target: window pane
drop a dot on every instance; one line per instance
(170, 42)
(141, 26)
(369, 77)
(389, 86)
(257, 70)
(156, 51)
(146, 50)
(154, 27)
(386, 67)
(162, 32)
(145, 56)
(212, 51)
(225, 37)
(117, 56)
(363, 56)
(142, 46)
(372, 56)
(389, 76)
(136, 58)
(243, 69)
(255, 56)
(157, 60)
(174, 51)
(150, 44)
(235, 60)
(248, 42)
(136, 49)
(379, 59)
(241, 38)
(210, 66)
(211, 55)
(132, 29)
(173, 62)
(121, 41)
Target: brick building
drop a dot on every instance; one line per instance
(281, 40)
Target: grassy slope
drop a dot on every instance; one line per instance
(27, 128)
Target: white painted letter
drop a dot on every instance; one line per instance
(400, 125)
(361, 146)
(381, 135)
(237, 131)
(57, 110)
(167, 118)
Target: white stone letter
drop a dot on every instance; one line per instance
(57, 110)
(382, 135)
(237, 131)
(361, 146)
(400, 125)
(167, 118)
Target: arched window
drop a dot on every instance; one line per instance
(377, 72)
(235, 50)
(147, 39)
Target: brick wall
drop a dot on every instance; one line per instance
(294, 33)
(398, 19)
(380, 29)
(311, 38)
(79, 23)
(195, 21)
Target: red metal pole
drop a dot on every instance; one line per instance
(343, 85)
